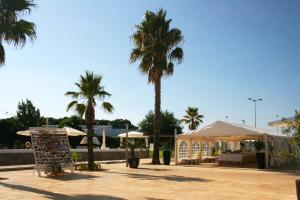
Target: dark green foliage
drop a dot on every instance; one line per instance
(192, 118)
(121, 124)
(102, 122)
(28, 115)
(8, 129)
(168, 123)
(14, 30)
(293, 129)
(73, 122)
(259, 145)
(134, 144)
(111, 142)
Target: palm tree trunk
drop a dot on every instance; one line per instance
(90, 116)
(155, 158)
(193, 124)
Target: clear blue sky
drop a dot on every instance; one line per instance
(233, 50)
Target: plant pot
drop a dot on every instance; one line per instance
(167, 157)
(298, 188)
(260, 160)
(133, 162)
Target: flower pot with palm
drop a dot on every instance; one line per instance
(132, 144)
(167, 152)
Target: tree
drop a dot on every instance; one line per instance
(157, 48)
(8, 132)
(28, 115)
(168, 123)
(84, 102)
(13, 29)
(192, 118)
(293, 129)
(121, 124)
(73, 122)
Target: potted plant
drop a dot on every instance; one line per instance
(167, 152)
(260, 155)
(133, 161)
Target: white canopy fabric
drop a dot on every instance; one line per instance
(84, 140)
(68, 130)
(74, 132)
(230, 131)
(283, 123)
(133, 134)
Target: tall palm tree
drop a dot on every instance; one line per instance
(13, 29)
(192, 118)
(157, 46)
(84, 101)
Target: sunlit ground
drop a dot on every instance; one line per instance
(153, 182)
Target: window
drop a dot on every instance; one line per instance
(195, 149)
(183, 150)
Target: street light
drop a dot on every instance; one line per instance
(254, 100)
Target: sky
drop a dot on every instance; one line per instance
(233, 50)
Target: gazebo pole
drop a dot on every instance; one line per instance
(266, 150)
(190, 146)
(175, 145)
(126, 152)
(200, 156)
(147, 142)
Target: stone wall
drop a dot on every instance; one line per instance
(26, 157)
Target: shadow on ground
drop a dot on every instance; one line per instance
(72, 177)
(57, 196)
(153, 169)
(168, 178)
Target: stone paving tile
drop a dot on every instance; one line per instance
(151, 183)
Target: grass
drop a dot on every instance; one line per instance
(161, 154)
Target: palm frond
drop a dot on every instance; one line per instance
(80, 109)
(19, 33)
(176, 55)
(72, 105)
(106, 106)
(2, 55)
(74, 95)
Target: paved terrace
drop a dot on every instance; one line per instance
(152, 182)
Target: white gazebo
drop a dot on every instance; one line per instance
(283, 123)
(194, 142)
(134, 134)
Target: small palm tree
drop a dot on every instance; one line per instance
(12, 29)
(157, 46)
(84, 102)
(192, 118)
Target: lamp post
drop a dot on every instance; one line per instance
(254, 100)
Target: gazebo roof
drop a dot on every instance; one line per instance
(133, 134)
(283, 123)
(230, 131)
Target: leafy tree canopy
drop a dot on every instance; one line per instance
(8, 130)
(28, 115)
(168, 123)
(73, 121)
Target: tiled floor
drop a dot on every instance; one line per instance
(152, 182)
